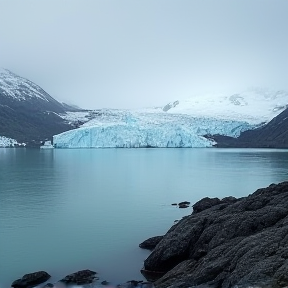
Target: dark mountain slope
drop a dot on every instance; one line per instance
(27, 113)
(273, 135)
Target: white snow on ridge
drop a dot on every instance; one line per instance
(19, 88)
(255, 105)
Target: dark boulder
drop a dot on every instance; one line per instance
(227, 243)
(150, 243)
(80, 278)
(205, 203)
(31, 280)
(183, 206)
(184, 203)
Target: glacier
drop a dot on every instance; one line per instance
(127, 129)
(182, 123)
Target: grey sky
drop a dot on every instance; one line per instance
(136, 53)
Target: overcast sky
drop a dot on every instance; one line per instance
(138, 53)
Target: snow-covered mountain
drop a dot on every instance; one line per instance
(27, 112)
(254, 105)
(189, 123)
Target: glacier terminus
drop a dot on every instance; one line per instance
(190, 123)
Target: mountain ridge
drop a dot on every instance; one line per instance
(27, 112)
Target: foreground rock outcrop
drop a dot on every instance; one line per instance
(227, 243)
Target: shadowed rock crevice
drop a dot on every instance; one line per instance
(227, 242)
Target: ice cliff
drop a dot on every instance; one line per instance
(126, 129)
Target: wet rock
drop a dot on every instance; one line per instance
(150, 243)
(227, 243)
(184, 203)
(31, 280)
(80, 278)
(205, 203)
(104, 282)
(174, 204)
(152, 275)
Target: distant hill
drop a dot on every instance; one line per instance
(28, 113)
(272, 135)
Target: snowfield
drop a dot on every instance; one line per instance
(254, 105)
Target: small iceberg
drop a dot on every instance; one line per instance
(47, 145)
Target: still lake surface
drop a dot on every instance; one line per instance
(66, 210)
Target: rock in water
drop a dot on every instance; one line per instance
(150, 243)
(31, 280)
(80, 277)
(227, 243)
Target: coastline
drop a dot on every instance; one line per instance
(224, 243)
(227, 243)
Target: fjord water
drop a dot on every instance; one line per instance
(66, 210)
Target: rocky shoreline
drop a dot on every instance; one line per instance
(226, 243)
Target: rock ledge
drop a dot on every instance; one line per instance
(227, 243)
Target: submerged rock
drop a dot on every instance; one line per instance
(80, 277)
(227, 243)
(31, 280)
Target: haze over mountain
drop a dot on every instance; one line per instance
(30, 115)
(131, 54)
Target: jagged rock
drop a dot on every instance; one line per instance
(80, 277)
(31, 280)
(150, 243)
(230, 243)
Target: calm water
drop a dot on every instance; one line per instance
(67, 210)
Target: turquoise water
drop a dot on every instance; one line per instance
(68, 210)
